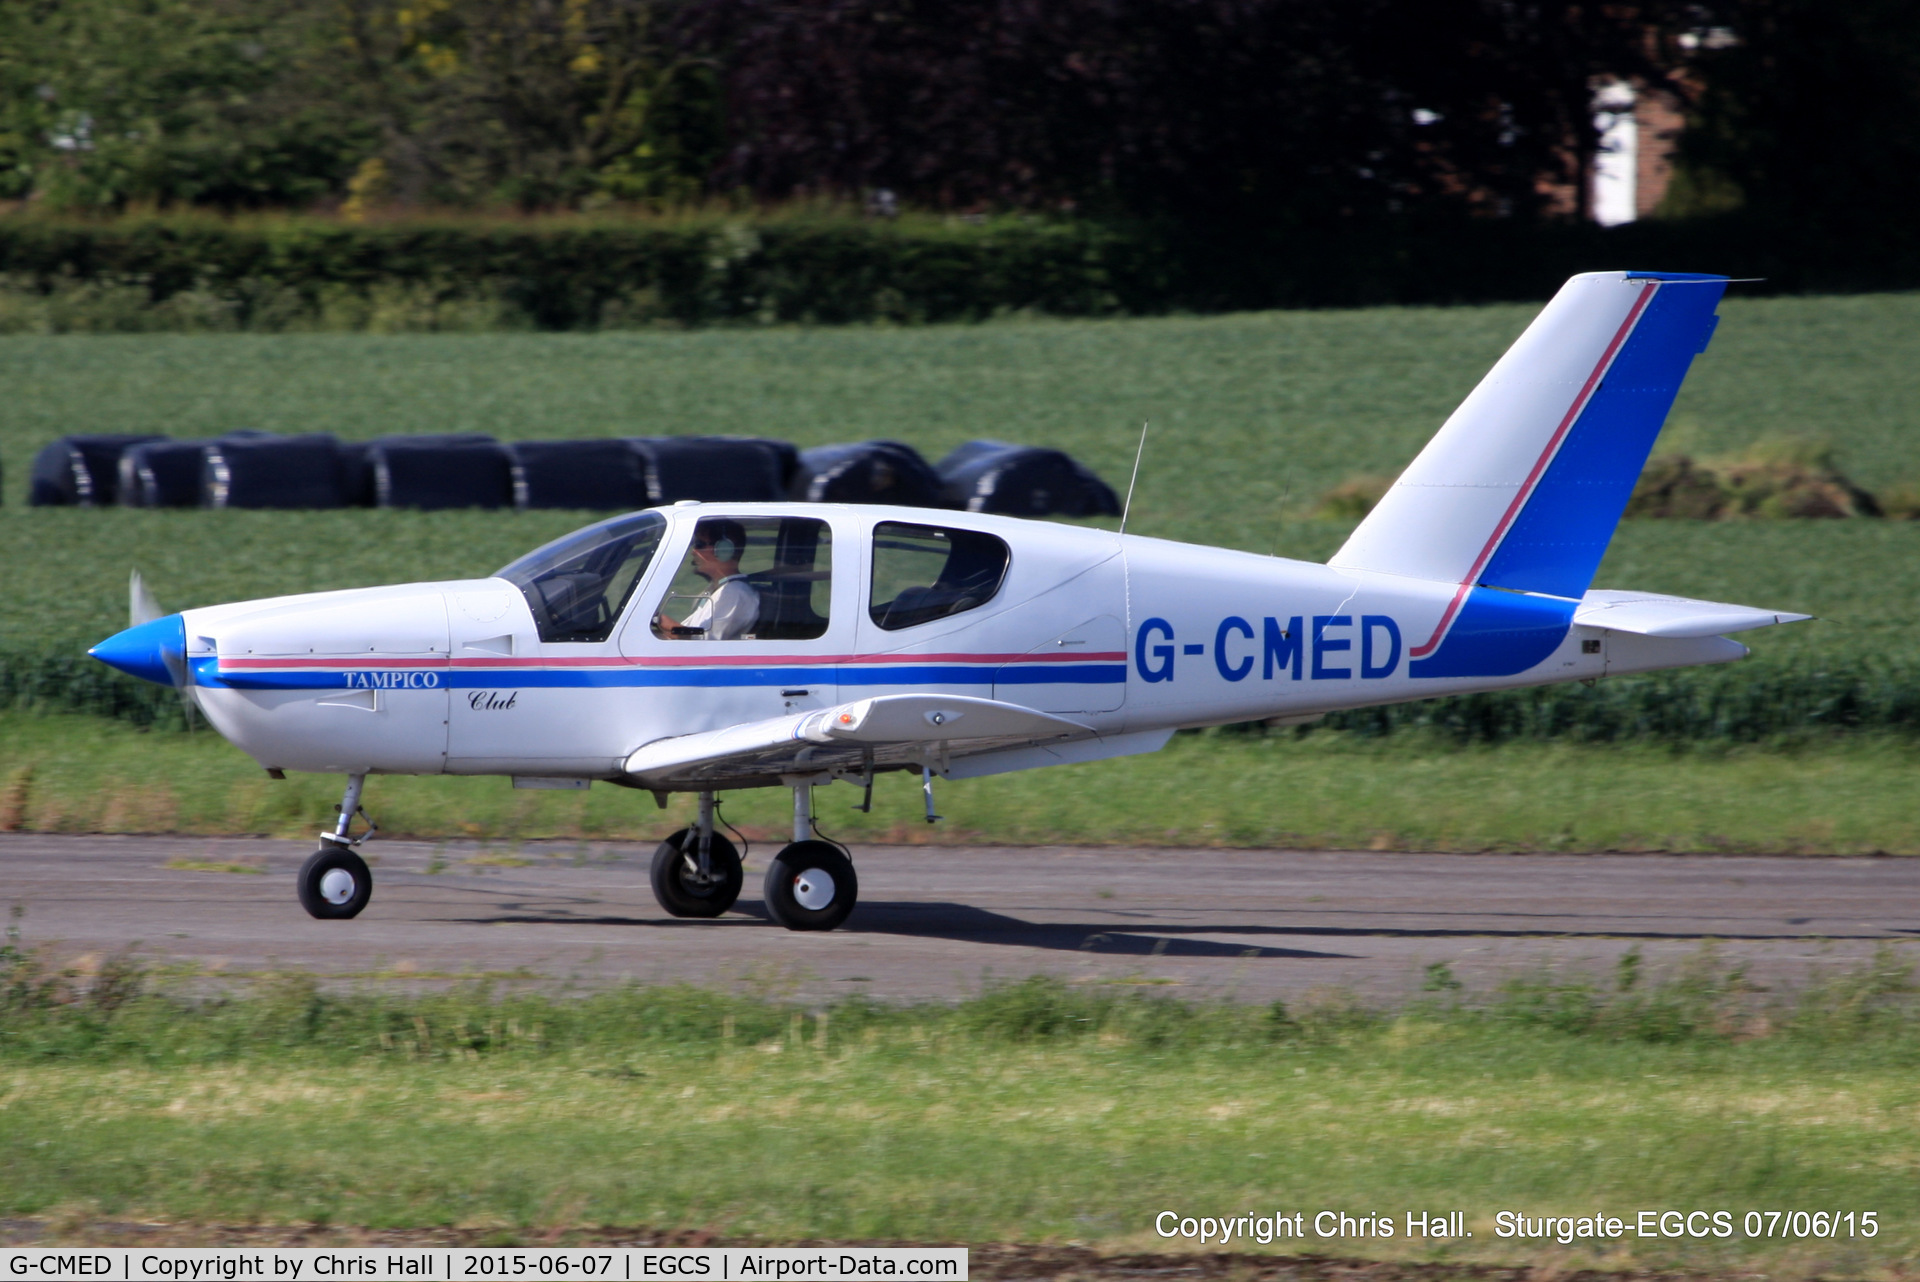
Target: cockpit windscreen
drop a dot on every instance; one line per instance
(577, 586)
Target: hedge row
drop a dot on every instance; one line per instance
(581, 273)
(1741, 704)
(568, 275)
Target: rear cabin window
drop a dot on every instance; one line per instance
(750, 578)
(926, 572)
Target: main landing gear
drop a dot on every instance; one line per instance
(335, 882)
(810, 884)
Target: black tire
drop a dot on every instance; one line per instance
(793, 885)
(677, 886)
(331, 898)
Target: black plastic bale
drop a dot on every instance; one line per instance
(274, 472)
(356, 461)
(717, 469)
(162, 474)
(356, 473)
(607, 475)
(868, 472)
(81, 471)
(166, 473)
(434, 473)
(1023, 480)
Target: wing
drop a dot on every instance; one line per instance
(1651, 614)
(884, 732)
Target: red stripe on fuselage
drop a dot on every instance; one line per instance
(506, 662)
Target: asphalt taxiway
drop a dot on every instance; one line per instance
(939, 922)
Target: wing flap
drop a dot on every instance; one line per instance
(1653, 614)
(849, 737)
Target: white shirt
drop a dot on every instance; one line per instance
(729, 609)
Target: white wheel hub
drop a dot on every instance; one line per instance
(336, 886)
(813, 889)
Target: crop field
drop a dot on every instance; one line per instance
(1252, 418)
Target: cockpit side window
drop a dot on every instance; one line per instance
(751, 578)
(578, 586)
(924, 572)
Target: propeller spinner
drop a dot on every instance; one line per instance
(154, 646)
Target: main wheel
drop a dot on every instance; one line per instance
(677, 882)
(811, 886)
(335, 882)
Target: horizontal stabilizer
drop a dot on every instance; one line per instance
(887, 730)
(1651, 614)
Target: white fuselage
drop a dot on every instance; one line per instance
(1121, 633)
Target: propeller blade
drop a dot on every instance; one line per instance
(141, 607)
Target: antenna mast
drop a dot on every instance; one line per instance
(1132, 481)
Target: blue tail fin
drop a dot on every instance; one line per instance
(1523, 486)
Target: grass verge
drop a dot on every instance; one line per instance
(1032, 1112)
(1845, 795)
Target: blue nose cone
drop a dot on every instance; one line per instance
(152, 651)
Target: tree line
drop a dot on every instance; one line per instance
(1215, 116)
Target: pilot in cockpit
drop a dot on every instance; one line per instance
(730, 606)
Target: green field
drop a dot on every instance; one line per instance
(68, 566)
(1254, 416)
(1035, 1112)
(1246, 408)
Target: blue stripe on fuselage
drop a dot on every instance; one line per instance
(1498, 634)
(206, 673)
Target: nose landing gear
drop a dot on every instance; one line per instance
(696, 872)
(335, 882)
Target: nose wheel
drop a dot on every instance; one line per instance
(335, 882)
(683, 887)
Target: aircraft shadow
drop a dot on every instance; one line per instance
(924, 919)
(935, 920)
(920, 919)
(960, 921)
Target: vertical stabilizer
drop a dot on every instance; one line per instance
(1521, 489)
(1524, 484)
